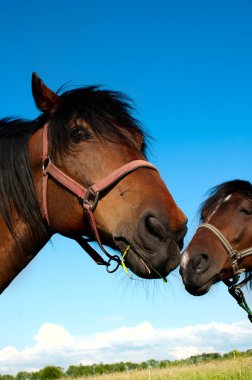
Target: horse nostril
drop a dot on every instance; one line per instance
(155, 228)
(201, 262)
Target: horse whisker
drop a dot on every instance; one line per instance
(145, 266)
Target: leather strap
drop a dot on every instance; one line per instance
(89, 196)
(234, 254)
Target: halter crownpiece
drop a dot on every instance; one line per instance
(89, 196)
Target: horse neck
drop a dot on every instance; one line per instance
(15, 254)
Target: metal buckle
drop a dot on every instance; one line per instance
(234, 254)
(113, 258)
(91, 203)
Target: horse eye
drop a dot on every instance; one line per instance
(79, 134)
(245, 211)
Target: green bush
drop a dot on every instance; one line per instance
(50, 373)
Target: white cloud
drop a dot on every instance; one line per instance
(52, 336)
(54, 345)
(7, 352)
(137, 333)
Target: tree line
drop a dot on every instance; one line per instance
(74, 371)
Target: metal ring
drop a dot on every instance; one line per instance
(91, 204)
(46, 162)
(94, 204)
(113, 258)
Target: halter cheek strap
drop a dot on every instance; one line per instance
(234, 287)
(234, 255)
(89, 196)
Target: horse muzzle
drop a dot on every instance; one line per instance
(154, 250)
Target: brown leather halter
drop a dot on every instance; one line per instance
(235, 256)
(89, 196)
(234, 287)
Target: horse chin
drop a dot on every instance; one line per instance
(199, 288)
(150, 265)
(198, 291)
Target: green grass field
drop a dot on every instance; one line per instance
(230, 369)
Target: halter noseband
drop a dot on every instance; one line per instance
(89, 196)
(234, 287)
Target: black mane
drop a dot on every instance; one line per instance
(108, 113)
(16, 181)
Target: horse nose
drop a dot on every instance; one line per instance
(151, 228)
(200, 262)
(155, 228)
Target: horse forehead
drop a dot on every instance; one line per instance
(236, 199)
(241, 197)
(218, 206)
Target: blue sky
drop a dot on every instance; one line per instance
(187, 65)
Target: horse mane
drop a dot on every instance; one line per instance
(109, 114)
(17, 190)
(219, 193)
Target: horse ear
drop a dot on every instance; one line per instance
(45, 99)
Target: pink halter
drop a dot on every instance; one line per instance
(89, 196)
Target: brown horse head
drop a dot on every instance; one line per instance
(92, 133)
(216, 251)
